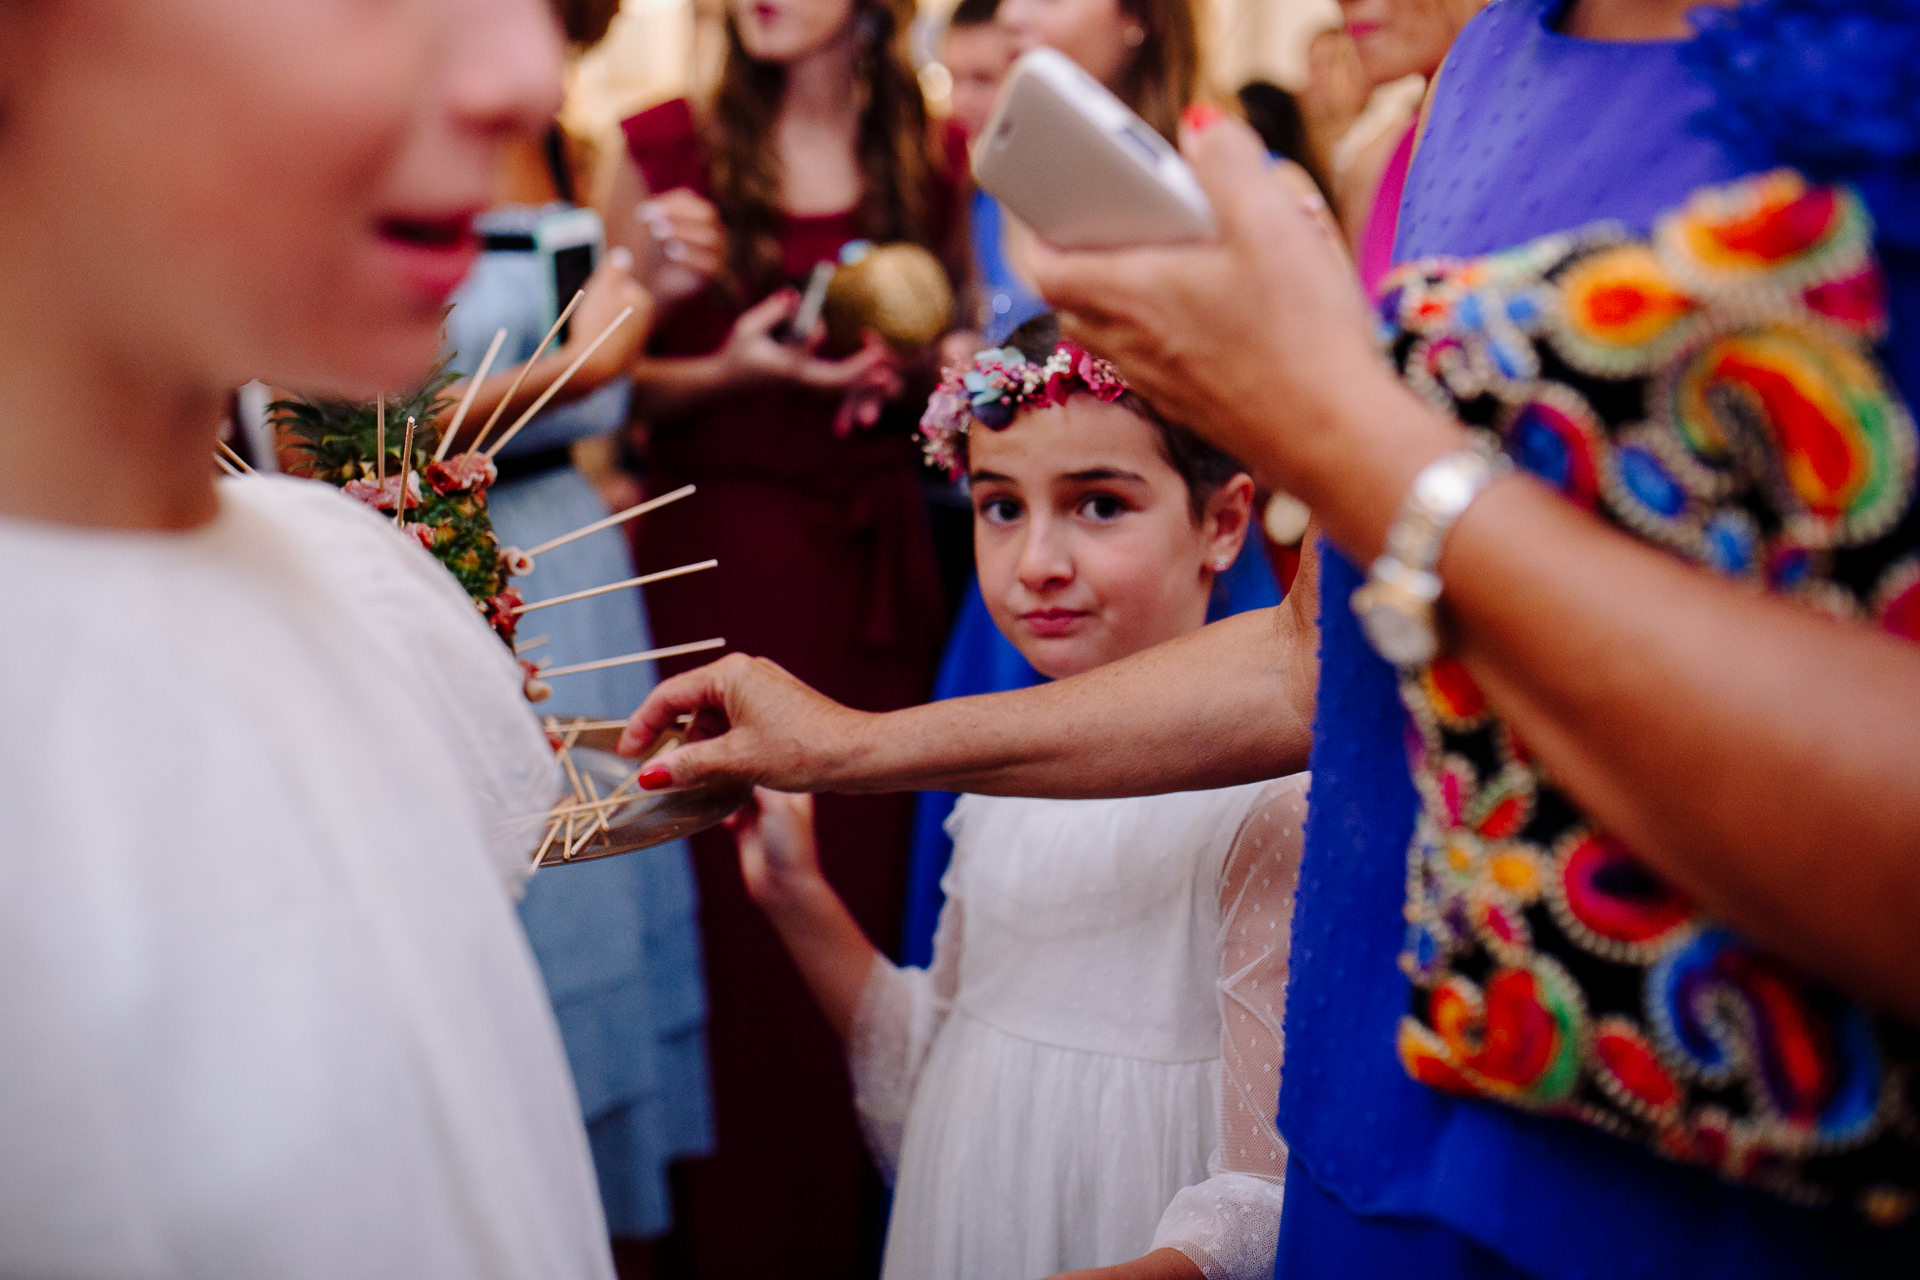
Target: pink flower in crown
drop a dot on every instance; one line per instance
(944, 422)
(1060, 380)
(1100, 376)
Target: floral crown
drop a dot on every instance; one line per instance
(1002, 382)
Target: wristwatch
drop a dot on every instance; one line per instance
(1395, 604)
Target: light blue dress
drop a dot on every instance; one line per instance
(617, 940)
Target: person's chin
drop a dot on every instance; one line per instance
(1059, 656)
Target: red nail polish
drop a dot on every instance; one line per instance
(1200, 116)
(655, 778)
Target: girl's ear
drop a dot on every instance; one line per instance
(1224, 523)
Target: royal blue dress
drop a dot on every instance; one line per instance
(1532, 131)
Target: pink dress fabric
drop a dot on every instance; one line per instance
(1383, 219)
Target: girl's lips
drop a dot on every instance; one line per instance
(1361, 30)
(1054, 622)
(431, 254)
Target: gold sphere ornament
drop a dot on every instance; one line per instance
(899, 291)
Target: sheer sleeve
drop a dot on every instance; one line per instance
(900, 1012)
(1229, 1224)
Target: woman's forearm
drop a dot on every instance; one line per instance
(1231, 703)
(832, 954)
(1764, 759)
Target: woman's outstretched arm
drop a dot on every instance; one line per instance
(1230, 703)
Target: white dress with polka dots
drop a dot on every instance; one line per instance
(1089, 1069)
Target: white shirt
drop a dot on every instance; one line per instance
(267, 790)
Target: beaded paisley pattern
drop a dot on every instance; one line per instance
(1711, 389)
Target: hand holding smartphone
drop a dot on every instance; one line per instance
(1070, 160)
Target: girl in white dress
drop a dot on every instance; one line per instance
(268, 785)
(1086, 1075)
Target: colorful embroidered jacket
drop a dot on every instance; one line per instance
(1713, 390)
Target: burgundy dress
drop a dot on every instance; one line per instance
(826, 567)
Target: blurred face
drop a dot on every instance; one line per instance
(1097, 34)
(231, 189)
(977, 57)
(1398, 38)
(786, 31)
(1086, 543)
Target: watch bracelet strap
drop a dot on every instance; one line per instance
(1418, 533)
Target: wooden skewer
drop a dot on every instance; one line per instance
(380, 441)
(233, 457)
(406, 470)
(525, 369)
(573, 774)
(227, 467)
(553, 388)
(613, 801)
(528, 646)
(473, 389)
(553, 833)
(565, 755)
(596, 823)
(645, 655)
(618, 517)
(627, 790)
(582, 726)
(641, 581)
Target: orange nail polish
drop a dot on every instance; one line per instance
(655, 778)
(1200, 116)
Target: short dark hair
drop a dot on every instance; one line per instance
(1203, 468)
(973, 13)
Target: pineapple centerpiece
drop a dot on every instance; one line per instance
(442, 503)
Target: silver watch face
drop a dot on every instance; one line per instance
(1399, 627)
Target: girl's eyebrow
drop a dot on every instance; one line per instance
(1095, 474)
(984, 477)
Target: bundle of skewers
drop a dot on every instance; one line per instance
(439, 497)
(607, 812)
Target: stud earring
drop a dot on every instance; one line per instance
(1134, 36)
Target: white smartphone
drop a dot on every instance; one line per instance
(1071, 161)
(569, 242)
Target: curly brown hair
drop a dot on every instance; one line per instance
(896, 145)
